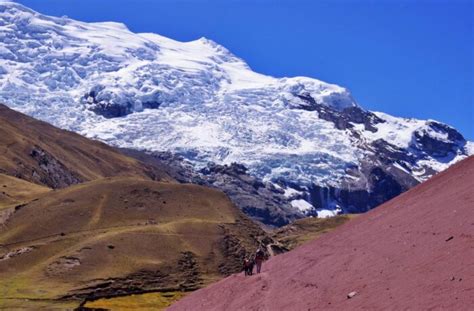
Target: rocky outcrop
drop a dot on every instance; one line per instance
(51, 171)
(342, 119)
(386, 172)
(262, 201)
(103, 107)
(443, 143)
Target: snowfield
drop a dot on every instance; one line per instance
(197, 99)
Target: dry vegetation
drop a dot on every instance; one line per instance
(118, 236)
(143, 302)
(307, 229)
(14, 191)
(38, 152)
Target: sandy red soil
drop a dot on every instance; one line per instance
(415, 252)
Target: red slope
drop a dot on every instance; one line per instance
(399, 256)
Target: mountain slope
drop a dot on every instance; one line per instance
(197, 99)
(414, 252)
(14, 191)
(304, 230)
(38, 152)
(118, 236)
(263, 201)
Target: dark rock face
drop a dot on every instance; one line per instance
(435, 147)
(341, 119)
(261, 201)
(52, 172)
(151, 104)
(111, 109)
(386, 172)
(381, 187)
(105, 108)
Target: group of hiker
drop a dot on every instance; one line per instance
(254, 260)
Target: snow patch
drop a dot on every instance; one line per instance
(302, 205)
(396, 131)
(326, 213)
(290, 192)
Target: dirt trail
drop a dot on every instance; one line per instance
(110, 230)
(98, 211)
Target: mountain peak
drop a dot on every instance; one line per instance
(197, 99)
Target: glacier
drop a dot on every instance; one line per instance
(197, 99)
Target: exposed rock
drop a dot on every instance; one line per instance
(444, 145)
(62, 265)
(15, 253)
(341, 119)
(52, 172)
(351, 294)
(262, 201)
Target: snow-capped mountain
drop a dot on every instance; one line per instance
(310, 139)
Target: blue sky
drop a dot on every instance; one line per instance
(406, 58)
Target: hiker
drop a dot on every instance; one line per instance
(259, 257)
(248, 266)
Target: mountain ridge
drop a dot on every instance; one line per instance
(199, 101)
(40, 153)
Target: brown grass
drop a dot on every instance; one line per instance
(143, 302)
(112, 228)
(14, 191)
(307, 229)
(85, 158)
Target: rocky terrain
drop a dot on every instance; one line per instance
(262, 201)
(414, 252)
(196, 99)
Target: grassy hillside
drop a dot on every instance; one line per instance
(14, 191)
(117, 236)
(307, 229)
(38, 152)
(142, 302)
